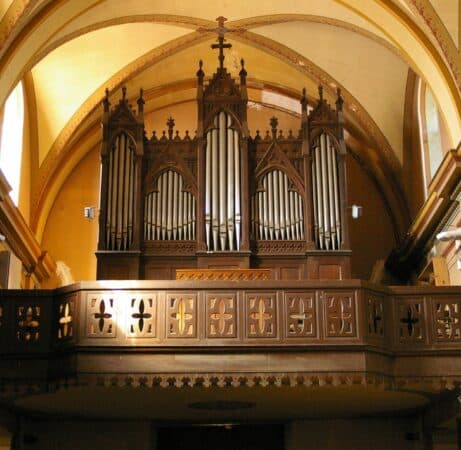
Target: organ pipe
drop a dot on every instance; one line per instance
(120, 195)
(231, 184)
(169, 212)
(222, 186)
(278, 210)
(222, 179)
(208, 193)
(325, 195)
(214, 186)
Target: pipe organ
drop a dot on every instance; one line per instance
(223, 199)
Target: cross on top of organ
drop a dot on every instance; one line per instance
(223, 199)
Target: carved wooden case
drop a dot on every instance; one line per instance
(222, 199)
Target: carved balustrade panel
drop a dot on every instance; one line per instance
(261, 315)
(66, 317)
(221, 315)
(28, 322)
(446, 314)
(300, 314)
(410, 320)
(101, 315)
(181, 315)
(141, 314)
(340, 314)
(375, 315)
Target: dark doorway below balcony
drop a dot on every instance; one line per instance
(222, 437)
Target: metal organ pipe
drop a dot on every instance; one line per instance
(222, 185)
(169, 212)
(278, 211)
(325, 195)
(336, 198)
(266, 209)
(238, 217)
(120, 195)
(230, 184)
(222, 179)
(208, 192)
(214, 185)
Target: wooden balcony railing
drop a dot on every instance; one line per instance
(205, 315)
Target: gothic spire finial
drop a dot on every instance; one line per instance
(321, 92)
(200, 74)
(304, 100)
(141, 101)
(243, 72)
(170, 125)
(339, 100)
(124, 93)
(274, 123)
(221, 31)
(106, 102)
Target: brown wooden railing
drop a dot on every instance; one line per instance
(206, 315)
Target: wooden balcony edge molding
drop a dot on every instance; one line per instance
(18, 388)
(409, 257)
(37, 262)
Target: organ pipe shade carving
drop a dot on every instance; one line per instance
(222, 186)
(277, 209)
(325, 195)
(169, 210)
(120, 194)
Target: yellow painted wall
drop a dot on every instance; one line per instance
(68, 236)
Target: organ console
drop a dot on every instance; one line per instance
(223, 199)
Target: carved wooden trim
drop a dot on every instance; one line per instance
(223, 275)
(279, 247)
(170, 248)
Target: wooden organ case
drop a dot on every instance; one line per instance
(223, 199)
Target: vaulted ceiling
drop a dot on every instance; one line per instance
(68, 52)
